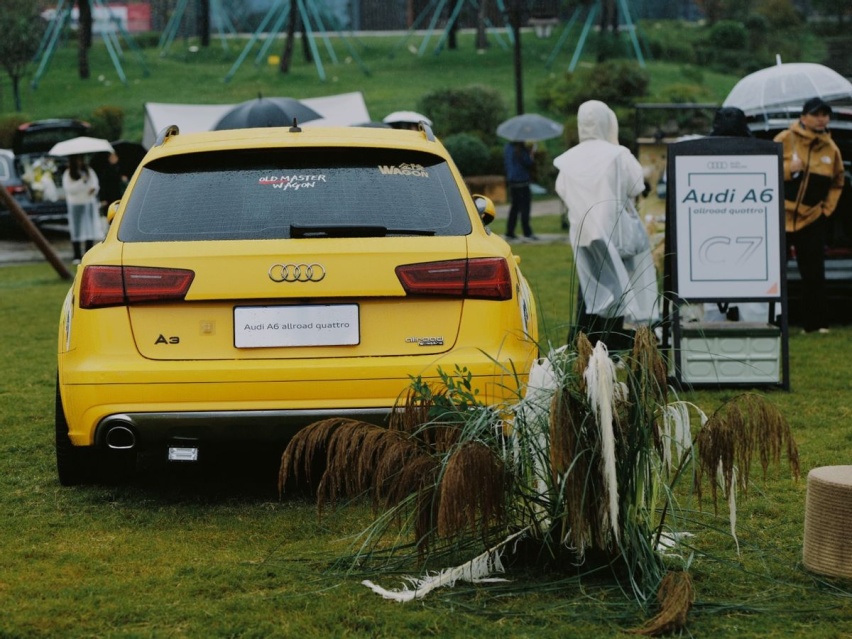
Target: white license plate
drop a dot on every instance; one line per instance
(314, 325)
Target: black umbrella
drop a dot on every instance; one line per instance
(263, 112)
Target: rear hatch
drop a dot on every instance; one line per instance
(296, 254)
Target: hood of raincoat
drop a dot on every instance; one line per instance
(596, 121)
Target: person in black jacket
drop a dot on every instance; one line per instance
(519, 160)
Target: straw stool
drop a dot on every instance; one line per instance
(828, 521)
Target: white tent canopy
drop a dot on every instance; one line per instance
(345, 109)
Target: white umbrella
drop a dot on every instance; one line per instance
(406, 117)
(787, 85)
(529, 127)
(82, 145)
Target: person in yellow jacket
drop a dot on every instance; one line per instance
(813, 181)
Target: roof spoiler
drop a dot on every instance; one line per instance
(427, 131)
(166, 133)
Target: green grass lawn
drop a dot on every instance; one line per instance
(213, 552)
(395, 78)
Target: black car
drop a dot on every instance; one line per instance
(36, 177)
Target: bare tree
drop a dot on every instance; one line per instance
(481, 33)
(84, 38)
(204, 22)
(22, 29)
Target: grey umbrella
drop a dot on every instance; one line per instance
(787, 85)
(529, 127)
(263, 112)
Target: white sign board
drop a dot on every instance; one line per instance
(728, 232)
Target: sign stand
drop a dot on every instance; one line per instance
(725, 243)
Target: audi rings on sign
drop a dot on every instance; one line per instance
(296, 272)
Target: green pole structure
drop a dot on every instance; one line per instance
(311, 42)
(562, 38)
(171, 29)
(250, 44)
(349, 47)
(432, 24)
(223, 21)
(276, 28)
(55, 26)
(593, 11)
(414, 26)
(626, 11)
(111, 42)
(310, 7)
(312, 17)
(60, 20)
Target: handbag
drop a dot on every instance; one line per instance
(630, 237)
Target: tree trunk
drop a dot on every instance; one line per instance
(452, 28)
(306, 44)
(204, 22)
(287, 54)
(515, 17)
(84, 38)
(16, 92)
(481, 33)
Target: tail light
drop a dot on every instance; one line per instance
(119, 285)
(483, 278)
(16, 189)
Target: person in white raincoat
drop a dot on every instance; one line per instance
(598, 181)
(81, 196)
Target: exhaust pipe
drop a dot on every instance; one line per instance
(120, 437)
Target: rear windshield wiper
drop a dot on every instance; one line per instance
(353, 230)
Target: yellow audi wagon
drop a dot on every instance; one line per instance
(254, 281)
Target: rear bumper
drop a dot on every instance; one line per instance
(259, 400)
(147, 430)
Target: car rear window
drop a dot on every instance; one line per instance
(263, 194)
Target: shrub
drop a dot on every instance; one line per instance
(728, 34)
(470, 154)
(684, 93)
(473, 109)
(107, 122)
(615, 82)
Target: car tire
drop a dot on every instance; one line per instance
(74, 464)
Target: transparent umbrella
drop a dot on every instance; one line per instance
(788, 85)
(529, 127)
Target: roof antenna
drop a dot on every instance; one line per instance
(295, 128)
(778, 59)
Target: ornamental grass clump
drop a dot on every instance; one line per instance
(583, 469)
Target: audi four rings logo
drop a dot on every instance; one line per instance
(296, 272)
(717, 165)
